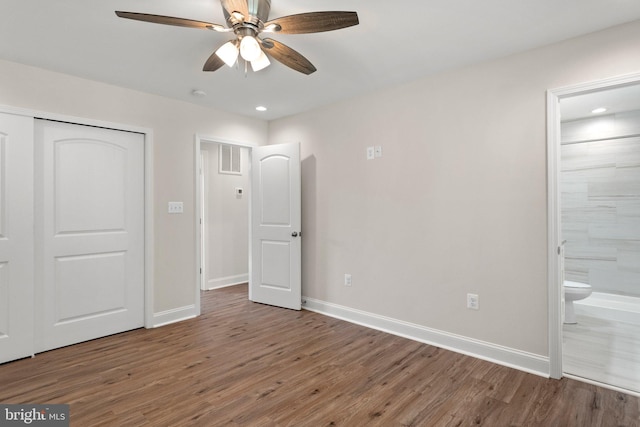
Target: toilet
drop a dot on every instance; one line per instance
(573, 291)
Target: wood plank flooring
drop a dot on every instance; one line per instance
(247, 364)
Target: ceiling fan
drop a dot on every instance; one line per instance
(247, 19)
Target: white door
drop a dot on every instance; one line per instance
(16, 237)
(275, 276)
(90, 228)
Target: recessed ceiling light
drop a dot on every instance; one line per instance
(261, 108)
(199, 93)
(599, 110)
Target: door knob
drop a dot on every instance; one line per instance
(294, 234)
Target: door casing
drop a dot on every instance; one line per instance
(554, 237)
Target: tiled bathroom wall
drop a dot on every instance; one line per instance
(600, 184)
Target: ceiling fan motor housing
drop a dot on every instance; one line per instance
(259, 9)
(255, 12)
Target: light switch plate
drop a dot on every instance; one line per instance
(378, 151)
(176, 207)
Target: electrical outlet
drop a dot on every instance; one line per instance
(473, 301)
(347, 279)
(371, 153)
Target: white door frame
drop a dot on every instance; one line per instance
(148, 188)
(200, 223)
(198, 141)
(554, 248)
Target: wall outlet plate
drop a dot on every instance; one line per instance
(473, 301)
(347, 279)
(371, 153)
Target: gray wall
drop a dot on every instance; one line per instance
(600, 184)
(457, 203)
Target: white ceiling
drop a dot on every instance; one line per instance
(615, 100)
(396, 41)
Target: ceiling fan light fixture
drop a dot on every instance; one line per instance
(272, 28)
(218, 28)
(228, 52)
(261, 63)
(250, 49)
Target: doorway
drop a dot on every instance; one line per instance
(594, 227)
(225, 183)
(223, 188)
(274, 223)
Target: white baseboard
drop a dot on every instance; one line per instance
(174, 315)
(224, 282)
(521, 360)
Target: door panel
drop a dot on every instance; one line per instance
(96, 202)
(16, 237)
(90, 193)
(276, 259)
(76, 279)
(275, 181)
(275, 276)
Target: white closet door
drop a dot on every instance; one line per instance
(16, 237)
(90, 233)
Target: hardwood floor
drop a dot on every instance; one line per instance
(246, 364)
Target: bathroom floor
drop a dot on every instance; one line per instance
(603, 350)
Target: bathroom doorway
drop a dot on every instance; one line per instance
(594, 180)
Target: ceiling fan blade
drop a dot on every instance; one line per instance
(230, 6)
(288, 56)
(170, 20)
(213, 63)
(312, 22)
